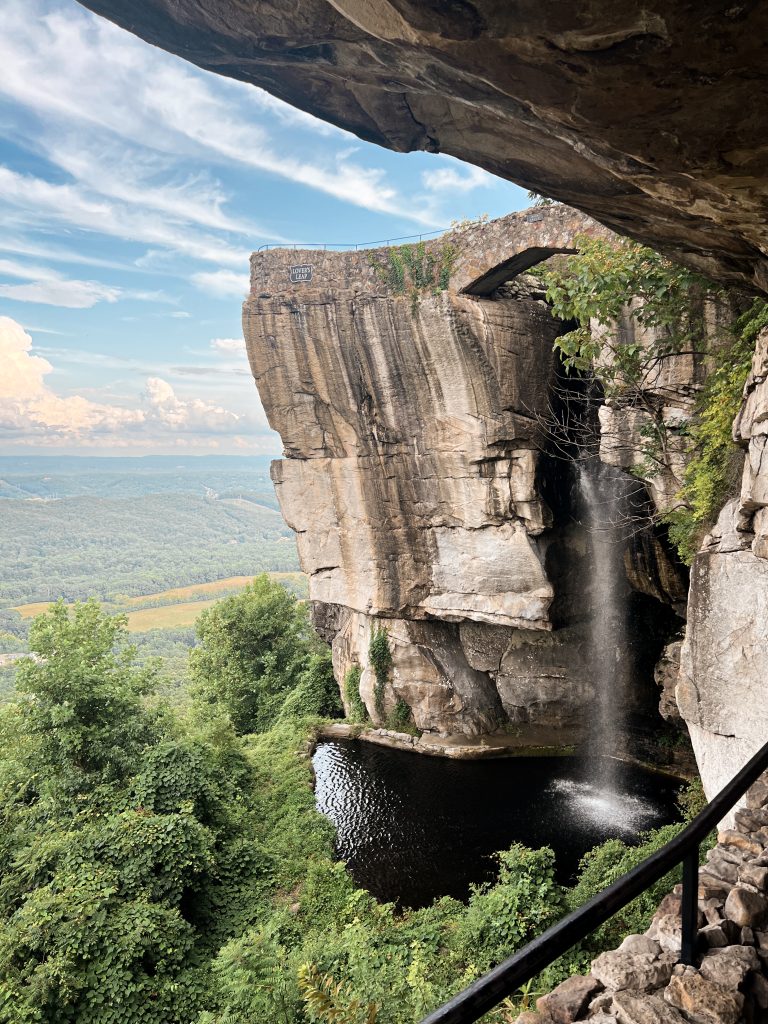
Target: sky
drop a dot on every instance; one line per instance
(133, 187)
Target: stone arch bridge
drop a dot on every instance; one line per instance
(488, 253)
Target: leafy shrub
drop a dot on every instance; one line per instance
(316, 694)
(381, 660)
(357, 709)
(400, 718)
(256, 649)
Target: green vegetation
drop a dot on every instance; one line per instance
(253, 648)
(413, 269)
(381, 661)
(358, 713)
(67, 548)
(714, 473)
(157, 868)
(400, 718)
(597, 283)
(595, 286)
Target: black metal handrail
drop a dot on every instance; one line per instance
(508, 976)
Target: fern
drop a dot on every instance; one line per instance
(331, 1002)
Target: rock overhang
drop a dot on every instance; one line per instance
(649, 118)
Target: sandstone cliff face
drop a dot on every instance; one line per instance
(649, 117)
(723, 682)
(412, 427)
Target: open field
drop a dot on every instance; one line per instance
(169, 616)
(214, 587)
(29, 611)
(180, 600)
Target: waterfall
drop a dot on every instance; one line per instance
(603, 498)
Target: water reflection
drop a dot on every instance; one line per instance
(412, 828)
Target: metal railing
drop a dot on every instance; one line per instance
(509, 976)
(381, 242)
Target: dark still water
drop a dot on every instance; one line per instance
(412, 828)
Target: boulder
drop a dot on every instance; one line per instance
(738, 841)
(569, 1000)
(702, 1001)
(746, 909)
(667, 931)
(718, 935)
(637, 1008)
(729, 966)
(640, 944)
(640, 972)
(754, 874)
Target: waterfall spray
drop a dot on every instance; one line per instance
(603, 493)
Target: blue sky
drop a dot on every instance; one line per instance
(133, 187)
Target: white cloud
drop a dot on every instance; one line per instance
(222, 283)
(451, 179)
(228, 345)
(151, 101)
(32, 413)
(194, 414)
(31, 409)
(51, 288)
(40, 202)
(55, 254)
(181, 314)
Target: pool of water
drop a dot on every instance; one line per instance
(412, 828)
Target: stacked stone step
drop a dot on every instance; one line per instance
(642, 982)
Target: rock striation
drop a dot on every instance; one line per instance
(646, 117)
(413, 422)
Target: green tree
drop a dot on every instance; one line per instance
(253, 649)
(316, 692)
(128, 853)
(596, 286)
(86, 704)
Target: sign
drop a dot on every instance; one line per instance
(302, 273)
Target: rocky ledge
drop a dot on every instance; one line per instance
(642, 982)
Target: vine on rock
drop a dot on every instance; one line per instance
(412, 270)
(358, 712)
(381, 661)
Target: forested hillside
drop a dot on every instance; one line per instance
(126, 530)
(75, 547)
(168, 866)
